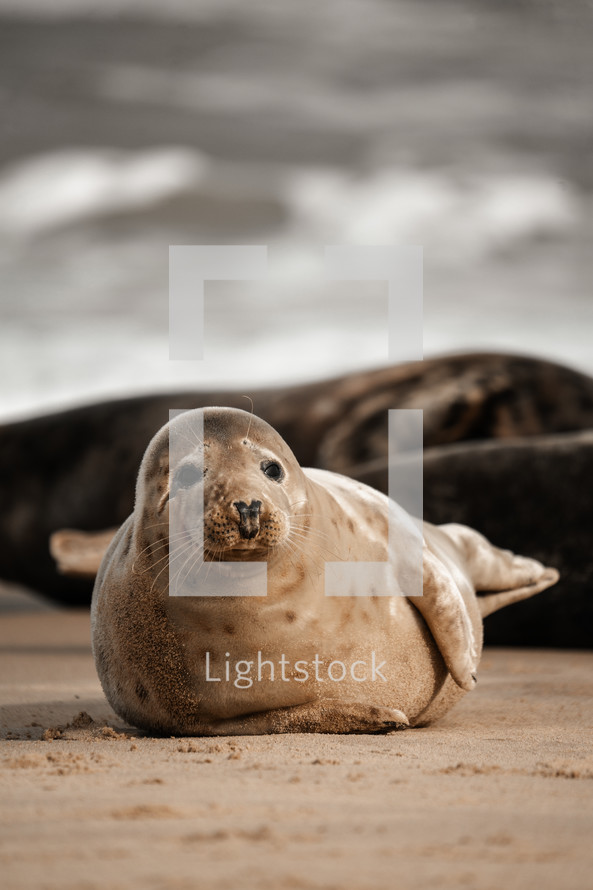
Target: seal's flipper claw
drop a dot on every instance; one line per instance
(492, 602)
(387, 720)
(392, 726)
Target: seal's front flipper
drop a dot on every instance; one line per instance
(79, 553)
(444, 610)
(325, 715)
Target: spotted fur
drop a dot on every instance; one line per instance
(150, 647)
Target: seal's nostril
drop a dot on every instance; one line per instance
(248, 518)
(251, 511)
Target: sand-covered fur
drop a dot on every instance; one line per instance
(162, 658)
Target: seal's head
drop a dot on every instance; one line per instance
(222, 479)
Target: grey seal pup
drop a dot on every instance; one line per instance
(170, 664)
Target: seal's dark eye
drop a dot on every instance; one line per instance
(272, 470)
(187, 476)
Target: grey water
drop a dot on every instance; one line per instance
(464, 128)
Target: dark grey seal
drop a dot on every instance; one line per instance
(77, 468)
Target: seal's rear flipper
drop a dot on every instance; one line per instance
(501, 576)
(79, 553)
(492, 602)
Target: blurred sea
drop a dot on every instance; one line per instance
(465, 128)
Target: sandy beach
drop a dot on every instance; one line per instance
(497, 794)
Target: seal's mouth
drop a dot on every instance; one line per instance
(241, 552)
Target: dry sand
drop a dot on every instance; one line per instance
(498, 794)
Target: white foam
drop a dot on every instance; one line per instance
(65, 186)
(85, 308)
(455, 217)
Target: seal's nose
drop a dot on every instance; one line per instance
(248, 518)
